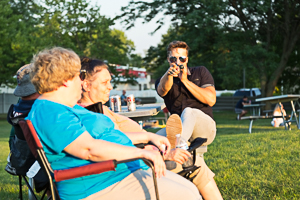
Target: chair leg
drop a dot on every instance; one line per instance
(20, 188)
(154, 177)
(250, 126)
(30, 190)
(31, 194)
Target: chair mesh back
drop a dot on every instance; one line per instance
(29, 137)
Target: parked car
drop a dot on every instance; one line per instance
(252, 92)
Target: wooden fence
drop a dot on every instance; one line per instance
(6, 100)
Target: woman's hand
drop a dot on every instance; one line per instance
(157, 159)
(161, 142)
(178, 155)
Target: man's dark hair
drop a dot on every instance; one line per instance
(177, 44)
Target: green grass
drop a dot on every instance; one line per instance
(261, 165)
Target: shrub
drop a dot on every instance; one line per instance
(226, 94)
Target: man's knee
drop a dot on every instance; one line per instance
(187, 111)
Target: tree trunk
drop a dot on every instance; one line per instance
(291, 28)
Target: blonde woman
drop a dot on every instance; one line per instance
(276, 122)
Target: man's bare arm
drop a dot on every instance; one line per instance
(206, 95)
(166, 81)
(165, 84)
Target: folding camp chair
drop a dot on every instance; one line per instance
(187, 171)
(60, 175)
(20, 158)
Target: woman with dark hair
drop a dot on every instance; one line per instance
(73, 136)
(96, 88)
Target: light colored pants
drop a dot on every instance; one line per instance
(195, 123)
(203, 175)
(139, 186)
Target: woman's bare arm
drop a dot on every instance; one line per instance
(88, 148)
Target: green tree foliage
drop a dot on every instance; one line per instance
(227, 36)
(27, 27)
(17, 37)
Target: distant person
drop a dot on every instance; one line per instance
(276, 122)
(21, 160)
(239, 107)
(123, 98)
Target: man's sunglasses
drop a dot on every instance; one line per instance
(82, 74)
(173, 59)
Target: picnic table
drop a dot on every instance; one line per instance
(279, 99)
(292, 98)
(255, 108)
(142, 112)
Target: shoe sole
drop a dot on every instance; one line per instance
(173, 127)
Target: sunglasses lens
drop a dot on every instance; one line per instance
(173, 59)
(182, 59)
(82, 75)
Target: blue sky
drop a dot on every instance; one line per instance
(140, 34)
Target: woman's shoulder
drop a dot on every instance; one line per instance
(52, 111)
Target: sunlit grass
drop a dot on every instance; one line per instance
(262, 165)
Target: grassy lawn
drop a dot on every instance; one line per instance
(261, 165)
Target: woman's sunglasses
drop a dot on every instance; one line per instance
(82, 74)
(173, 59)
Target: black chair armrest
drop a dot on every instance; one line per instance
(96, 107)
(196, 144)
(142, 145)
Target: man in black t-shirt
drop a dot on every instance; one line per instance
(189, 95)
(239, 107)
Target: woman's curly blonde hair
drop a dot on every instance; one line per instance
(51, 67)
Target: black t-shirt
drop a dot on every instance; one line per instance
(240, 104)
(179, 97)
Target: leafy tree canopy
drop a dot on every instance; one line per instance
(227, 36)
(30, 26)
